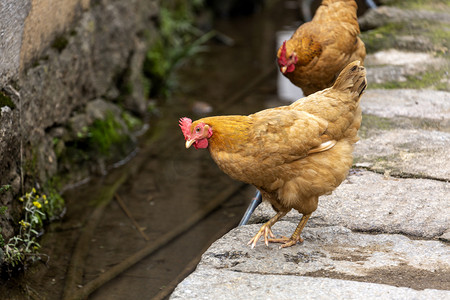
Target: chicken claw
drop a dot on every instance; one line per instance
(287, 242)
(266, 229)
(295, 238)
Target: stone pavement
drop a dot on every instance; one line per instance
(384, 233)
(209, 283)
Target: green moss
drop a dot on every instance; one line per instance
(380, 38)
(431, 79)
(131, 121)
(370, 122)
(105, 139)
(60, 43)
(31, 163)
(440, 36)
(429, 124)
(104, 134)
(58, 147)
(3, 210)
(387, 36)
(6, 101)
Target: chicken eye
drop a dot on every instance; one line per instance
(197, 129)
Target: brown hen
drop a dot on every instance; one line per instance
(318, 50)
(291, 154)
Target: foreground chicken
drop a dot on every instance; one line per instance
(318, 50)
(291, 154)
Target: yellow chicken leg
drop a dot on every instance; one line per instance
(295, 238)
(266, 230)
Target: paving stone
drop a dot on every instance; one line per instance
(393, 65)
(415, 152)
(329, 248)
(428, 104)
(211, 283)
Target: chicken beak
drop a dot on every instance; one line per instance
(189, 143)
(283, 69)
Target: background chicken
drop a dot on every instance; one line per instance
(318, 50)
(292, 154)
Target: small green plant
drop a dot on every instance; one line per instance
(4, 188)
(179, 40)
(23, 248)
(3, 210)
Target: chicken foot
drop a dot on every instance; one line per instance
(266, 230)
(295, 238)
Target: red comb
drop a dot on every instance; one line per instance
(282, 59)
(185, 125)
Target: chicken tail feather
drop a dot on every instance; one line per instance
(352, 79)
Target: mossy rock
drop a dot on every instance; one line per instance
(370, 123)
(431, 5)
(419, 35)
(434, 79)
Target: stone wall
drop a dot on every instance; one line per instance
(61, 62)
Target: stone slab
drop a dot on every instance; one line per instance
(383, 15)
(329, 249)
(422, 153)
(210, 283)
(429, 104)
